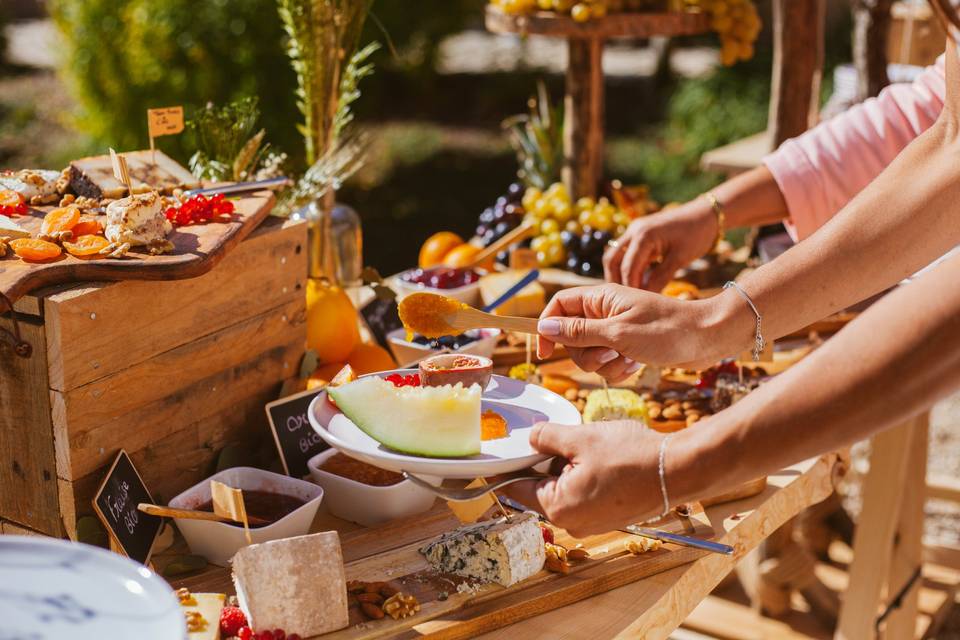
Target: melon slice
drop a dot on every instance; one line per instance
(436, 422)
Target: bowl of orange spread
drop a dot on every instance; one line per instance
(451, 368)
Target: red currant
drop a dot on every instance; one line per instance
(547, 534)
(279, 634)
(294, 636)
(245, 633)
(265, 635)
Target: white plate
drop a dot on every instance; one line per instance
(53, 589)
(522, 404)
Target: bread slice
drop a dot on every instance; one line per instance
(295, 584)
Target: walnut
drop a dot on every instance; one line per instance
(57, 236)
(5, 249)
(636, 546)
(401, 605)
(115, 250)
(556, 561)
(195, 621)
(185, 597)
(159, 247)
(47, 199)
(63, 182)
(83, 202)
(68, 198)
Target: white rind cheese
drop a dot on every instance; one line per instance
(32, 183)
(500, 551)
(11, 229)
(208, 605)
(137, 219)
(296, 584)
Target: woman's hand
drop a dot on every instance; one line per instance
(610, 328)
(662, 242)
(611, 477)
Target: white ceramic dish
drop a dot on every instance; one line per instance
(468, 294)
(407, 353)
(522, 404)
(54, 589)
(218, 541)
(366, 504)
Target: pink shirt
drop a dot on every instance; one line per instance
(819, 171)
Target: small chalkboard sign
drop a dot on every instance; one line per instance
(296, 440)
(381, 317)
(116, 505)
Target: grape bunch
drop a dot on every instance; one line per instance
(504, 216)
(738, 25)
(572, 234)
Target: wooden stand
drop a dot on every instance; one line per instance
(584, 103)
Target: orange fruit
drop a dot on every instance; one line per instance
(10, 198)
(682, 290)
(34, 250)
(331, 322)
(369, 358)
(61, 219)
(464, 256)
(436, 247)
(88, 226)
(324, 374)
(86, 245)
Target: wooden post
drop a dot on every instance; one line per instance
(887, 544)
(797, 67)
(871, 27)
(583, 114)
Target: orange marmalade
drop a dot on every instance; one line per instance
(426, 314)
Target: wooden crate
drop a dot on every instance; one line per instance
(170, 371)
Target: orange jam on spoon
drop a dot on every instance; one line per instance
(426, 314)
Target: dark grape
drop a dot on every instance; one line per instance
(499, 214)
(504, 258)
(515, 192)
(513, 209)
(481, 229)
(487, 216)
(573, 263)
(501, 202)
(502, 227)
(570, 240)
(591, 269)
(602, 237)
(588, 244)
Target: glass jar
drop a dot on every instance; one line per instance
(335, 242)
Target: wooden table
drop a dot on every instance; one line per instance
(649, 608)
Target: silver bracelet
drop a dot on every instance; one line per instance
(663, 476)
(759, 342)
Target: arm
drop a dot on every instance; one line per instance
(894, 361)
(804, 183)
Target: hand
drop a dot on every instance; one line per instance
(675, 238)
(609, 328)
(611, 478)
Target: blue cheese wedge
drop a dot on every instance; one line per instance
(500, 551)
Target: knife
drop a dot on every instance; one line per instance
(242, 187)
(663, 536)
(675, 538)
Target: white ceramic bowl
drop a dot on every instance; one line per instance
(218, 541)
(366, 504)
(406, 353)
(468, 294)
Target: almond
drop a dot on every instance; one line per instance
(372, 611)
(374, 587)
(578, 554)
(387, 591)
(372, 598)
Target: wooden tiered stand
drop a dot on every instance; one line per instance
(584, 103)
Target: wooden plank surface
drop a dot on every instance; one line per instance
(94, 334)
(630, 24)
(28, 470)
(798, 28)
(198, 249)
(653, 607)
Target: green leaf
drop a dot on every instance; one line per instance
(309, 364)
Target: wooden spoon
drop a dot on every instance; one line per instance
(190, 514)
(516, 235)
(434, 315)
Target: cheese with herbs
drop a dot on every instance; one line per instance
(499, 550)
(208, 607)
(295, 584)
(137, 219)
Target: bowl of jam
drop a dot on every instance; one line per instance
(479, 342)
(287, 504)
(460, 284)
(453, 368)
(365, 494)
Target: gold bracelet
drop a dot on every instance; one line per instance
(721, 217)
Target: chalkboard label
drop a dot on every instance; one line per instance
(116, 505)
(381, 317)
(296, 440)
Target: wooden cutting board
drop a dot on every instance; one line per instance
(391, 553)
(198, 249)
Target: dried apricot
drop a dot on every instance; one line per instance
(86, 245)
(61, 219)
(35, 250)
(88, 226)
(10, 198)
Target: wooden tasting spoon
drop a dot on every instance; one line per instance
(190, 514)
(433, 315)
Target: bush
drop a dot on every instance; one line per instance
(124, 56)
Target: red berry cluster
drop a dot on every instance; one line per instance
(246, 633)
(200, 209)
(20, 209)
(708, 378)
(412, 380)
